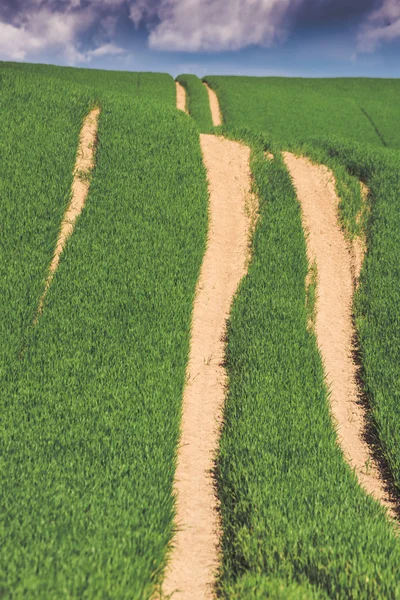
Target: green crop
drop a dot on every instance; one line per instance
(91, 397)
(37, 157)
(156, 87)
(364, 110)
(198, 102)
(90, 412)
(378, 299)
(296, 523)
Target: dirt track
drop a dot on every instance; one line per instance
(195, 557)
(337, 270)
(80, 188)
(180, 97)
(214, 107)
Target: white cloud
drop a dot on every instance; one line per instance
(382, 25)
(36, 32)
(17, 42)
(106, 49)
(41, 29)
(214, 25)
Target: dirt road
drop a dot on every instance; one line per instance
(195, 558)
(337, 269)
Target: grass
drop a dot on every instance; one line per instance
(38, 152)
(296, 523)
(90, 416)
(155, 87)
(91, 409)
(364, 110)
(198, 102)
(378, 299)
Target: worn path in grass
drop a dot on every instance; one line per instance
(180, 97)
(194, 557)
(337, 269)
(214, 106)
(80, 189)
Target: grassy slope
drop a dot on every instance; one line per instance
(147, 86)
(90, 416)
(296, 524)
(38, 152)
(378, 300)
(286, 108)
(198, 103)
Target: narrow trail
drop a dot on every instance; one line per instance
(180, 97)
(194, 558)
(338, 269)
(79, 191)
(214, 106)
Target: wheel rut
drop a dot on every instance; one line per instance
(214, 106)
(338, 268)
(181, 97)
(79, 191)
(194, 558)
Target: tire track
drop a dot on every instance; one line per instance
(194, 558)
(337, 276)
(79, 191)
(214, 106)
(181, 97)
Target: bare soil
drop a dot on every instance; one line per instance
(194, 558)
(336, 275)
(214, 107)
(80, 188)
(181, 97)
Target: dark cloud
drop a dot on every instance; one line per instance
(382, 25)
(31, 27)
(334, 12)
(213, 25)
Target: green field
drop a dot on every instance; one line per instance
(364, 110)
(198, 104)
(157, 87)
(90, 413)
(294, 544)
(91, 397)
(296, 523)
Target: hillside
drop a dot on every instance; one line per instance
(171, 423)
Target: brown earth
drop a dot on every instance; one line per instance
(194, 557)
(336, 273)
(214, 107)
(80, 188)
(181, 97)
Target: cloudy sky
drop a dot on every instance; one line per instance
(250, 37)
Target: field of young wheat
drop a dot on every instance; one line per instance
(91, 385)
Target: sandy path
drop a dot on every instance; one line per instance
(194, 559)
(80, 188)
(214, 107)
(336, 272)
(180, 97)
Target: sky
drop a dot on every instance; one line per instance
(303, 38)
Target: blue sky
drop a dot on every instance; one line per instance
(316, 38)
